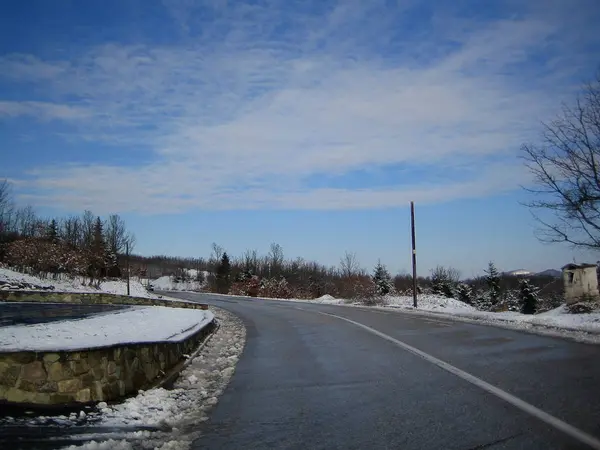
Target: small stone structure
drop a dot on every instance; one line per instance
(75, 377)
(581, 282)
(92, 298)
(90, 375)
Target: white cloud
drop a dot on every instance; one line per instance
(242, 119)
(42, 110)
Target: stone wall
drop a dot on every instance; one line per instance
(69, 378)
(86, 298)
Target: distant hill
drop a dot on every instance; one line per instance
(517, 273)
(550, 273)
(545, 273)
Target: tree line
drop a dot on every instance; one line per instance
(84, 245)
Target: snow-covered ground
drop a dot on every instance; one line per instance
(559, 319)
(133, 324)
(167, 283)
(10, 279)
(175, 413)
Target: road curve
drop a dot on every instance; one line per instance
(311, 380)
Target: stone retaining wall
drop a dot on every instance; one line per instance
(91, 298)
(69, 378)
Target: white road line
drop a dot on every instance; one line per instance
(555, 422)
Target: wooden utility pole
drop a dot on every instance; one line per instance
(414, 252)
(127, 249)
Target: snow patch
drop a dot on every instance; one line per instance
(12, 280)
(133, 324)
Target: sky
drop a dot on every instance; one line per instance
(311, 124)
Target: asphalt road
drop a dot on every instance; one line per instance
(30, 313)
(311, 380)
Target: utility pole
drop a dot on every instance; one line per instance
(127, 249)
(414, 252)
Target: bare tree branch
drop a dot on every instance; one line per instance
(565, 169)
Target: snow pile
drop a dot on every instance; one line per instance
(12, 280)
(429, 303)
(328, 300)
(558, 318)
(167, 283)
(133, 324)
(178, 411)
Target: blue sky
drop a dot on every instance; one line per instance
(312, 124)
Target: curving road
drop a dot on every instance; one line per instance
(363, 378)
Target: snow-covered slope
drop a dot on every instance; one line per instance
(12, 280)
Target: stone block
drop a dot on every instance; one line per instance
(97, 392)
(23, 357)
(59, 372)
(15, 395)
(79, 367)
(9, 373)
(50, 358)
(111, 368)
(61, 399)
(72, 385)
(88, 379)
(84, 395)
(34, 371)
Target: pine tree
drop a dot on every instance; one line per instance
(52, 231)
(493, 282)
(223, 275)
(382, 279)
(98, 253)
(464, 293)
(528, 297)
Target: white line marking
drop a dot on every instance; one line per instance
(575, 433)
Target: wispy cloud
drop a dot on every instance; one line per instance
(248, 107)
(43, 110)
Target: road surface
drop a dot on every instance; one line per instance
(311, 380)
(30, 313)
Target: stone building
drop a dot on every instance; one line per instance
(581, 282)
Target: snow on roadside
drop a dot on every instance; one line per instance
(167, 283)
(429, 303)
(133, 324)
(559, 319)
(10, 279)
(177, 411)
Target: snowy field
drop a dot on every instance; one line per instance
(130, 325)
(10, 279)
(174, 413)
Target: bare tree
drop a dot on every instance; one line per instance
(116, 235)
(275, 259)
(565, 166)
(349, 265)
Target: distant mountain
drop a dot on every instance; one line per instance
(524, 273)
(517, 273)
(550, 273)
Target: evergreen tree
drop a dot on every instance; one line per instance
(528, 297)
(98, 253)
(493, 283)
(464, 293)
(223, 275)
(52, 231)
(382, 279)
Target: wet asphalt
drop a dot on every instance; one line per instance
(312, 381)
